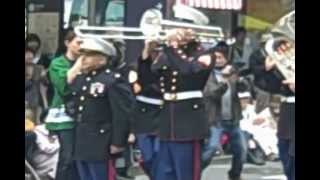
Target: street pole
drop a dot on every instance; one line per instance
(92, 12)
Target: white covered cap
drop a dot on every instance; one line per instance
(185, 12)
(98, 45)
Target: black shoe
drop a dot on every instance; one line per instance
(205, 164)
(272, 157)
(235, 178)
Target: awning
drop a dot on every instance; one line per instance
(214, 4)
(253, 23)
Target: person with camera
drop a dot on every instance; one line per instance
(224, 110)
(57, 121)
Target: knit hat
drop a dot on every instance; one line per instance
(223, 48)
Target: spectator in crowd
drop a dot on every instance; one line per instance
(46, 152)
(33, 42)
(223, 108)
(261, 126)
(35, 78)
(257, 67)
(241, 50)
(57, 121)
(30, 139)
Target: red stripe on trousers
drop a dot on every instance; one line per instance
(196, 160)
(111, 170)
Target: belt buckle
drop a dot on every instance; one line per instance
(173, 97)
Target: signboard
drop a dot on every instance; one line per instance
(46, 26)
(214, 4)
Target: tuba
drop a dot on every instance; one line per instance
(281, 46)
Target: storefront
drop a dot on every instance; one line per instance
(261, 14)
(223, 13)
(44, 18)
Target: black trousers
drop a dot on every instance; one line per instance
(287, 138)
(66, 166)
(287, 118)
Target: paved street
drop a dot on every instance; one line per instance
(220, 166)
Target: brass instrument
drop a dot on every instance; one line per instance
(283, 40)
(152, 26)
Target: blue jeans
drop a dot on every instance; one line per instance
(213, 143)
(238, 145)
(93, 170)
(149, 146)
(291, 168)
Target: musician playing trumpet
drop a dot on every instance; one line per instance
(183, 68)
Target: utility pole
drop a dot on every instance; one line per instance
(92, 12)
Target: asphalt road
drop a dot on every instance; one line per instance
(219, 167)
(269, 171)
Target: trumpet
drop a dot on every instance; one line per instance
(152, 26)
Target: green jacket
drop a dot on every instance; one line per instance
(58, 75)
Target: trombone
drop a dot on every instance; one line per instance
(152, 26)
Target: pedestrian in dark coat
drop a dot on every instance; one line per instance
(224, 110)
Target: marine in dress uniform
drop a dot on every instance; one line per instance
(103, 101)
(148, 106)
(183, 71)
(123, 162)
(286, 126)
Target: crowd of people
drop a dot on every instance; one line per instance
(84, 107)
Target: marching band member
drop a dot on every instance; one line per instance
(183, 70)
(102, 102)
(148, 106)
(274, 83)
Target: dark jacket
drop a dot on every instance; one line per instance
(124, 69)
(182, 120)
(33, 96)
(146, 115)
(213, 93)
(272, 82)
(103, 103)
